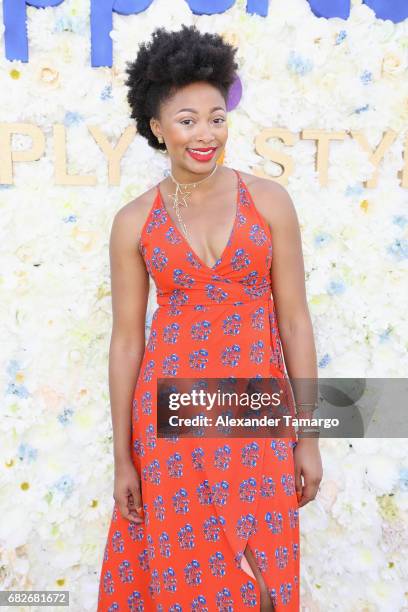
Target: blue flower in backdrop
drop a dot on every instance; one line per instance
(385, 335)
(400, 220)
(336, 287)
(352, 190)
(106, 93)
(340, 37)
(366, 77)
(298, 65)
(361, 109)
(403, 478)
(26, 452)
(66, 23)
(18, 390)
(72, 118)
(70, 219)
(399, 249)
(322, 239)
(66, 416)
(13, 368)
(65, 485)
(324, 361)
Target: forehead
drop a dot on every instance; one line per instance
(201, 96)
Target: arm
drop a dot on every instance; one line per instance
(293, 318)
(288, 281)
(289, 292)
(130, 291)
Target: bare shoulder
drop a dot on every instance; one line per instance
(271, 198)
(130, 219)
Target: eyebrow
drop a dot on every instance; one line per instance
(192, 110)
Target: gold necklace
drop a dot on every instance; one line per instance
(180, 197)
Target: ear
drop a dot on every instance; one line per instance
(153, 127)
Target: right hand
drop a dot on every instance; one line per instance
(127, 492)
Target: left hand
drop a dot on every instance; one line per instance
(308, 464)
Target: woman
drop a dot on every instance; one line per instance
(203, 523)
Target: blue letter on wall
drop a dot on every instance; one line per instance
(101, 25)
(101, 19)
(211, 7)
(330, 8)
(15, 18)
(395, 10)
(15, 24)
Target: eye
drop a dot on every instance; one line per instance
(221, 120)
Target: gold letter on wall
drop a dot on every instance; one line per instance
(113, 154)
(7, 156)
(377, 155)
(322, 157)
(61, 176)
(271, 154)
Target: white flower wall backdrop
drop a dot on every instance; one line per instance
(298, 72)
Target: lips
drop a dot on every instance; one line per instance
(202, 150)
(205, 155)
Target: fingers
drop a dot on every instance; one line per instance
(130, 504)
(309, 492)
(127, 492)
(128, 510)
(135, 503)
(122, 503)
(298, 484)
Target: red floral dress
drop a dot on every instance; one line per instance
(204, 499)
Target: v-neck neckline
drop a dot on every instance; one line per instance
(221, 258)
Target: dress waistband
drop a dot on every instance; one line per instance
(175, 302)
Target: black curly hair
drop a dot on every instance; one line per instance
(172, 60)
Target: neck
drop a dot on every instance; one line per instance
(205, 181)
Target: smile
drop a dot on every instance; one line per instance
(201, 155)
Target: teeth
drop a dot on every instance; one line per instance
(202, 152)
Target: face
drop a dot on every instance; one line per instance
(194, 118)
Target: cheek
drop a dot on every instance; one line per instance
(178, 135)
(223, 132)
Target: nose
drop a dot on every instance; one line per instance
(205, 135)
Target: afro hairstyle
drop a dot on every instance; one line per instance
(173, 59)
